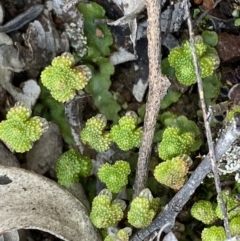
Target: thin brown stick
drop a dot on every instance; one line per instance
(158, 85)
(206, 122)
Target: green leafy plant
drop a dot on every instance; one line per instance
(115, 176)
(213, 233)
(120, 235)
(172, 173)
(102, 68)
(210, 38)
(126, 134)
(94, 134)
(180, 58)
(19, 131)
(211, 87)
(71, 166)
(105, 212)
(63, 79)
(143, 209)
(234, 226)
(203, 211)
(175, 143)
(170, 98)
(237, 22)
(169, 119)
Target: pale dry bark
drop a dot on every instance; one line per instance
(158, 86)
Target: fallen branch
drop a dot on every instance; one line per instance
(171, 210)
(158, 86)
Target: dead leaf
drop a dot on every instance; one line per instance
(30, 201)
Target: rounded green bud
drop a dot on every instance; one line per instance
(70, 166)
(213, 233)
(126, 134)
(36, 127)
(94, 135)
(234, 226)
(19, 112)
(123, 234)
(174, 143)
(105, 213)
(180, 58)
(109, 238)
(19, 131)
(207, 65)
(203, 211)
(172, 173)
(142, 210)
(119, 235)
(62, 79)
(114, 176)
(173, 57)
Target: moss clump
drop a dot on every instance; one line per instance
(106, 213)
(126, 134)
(115, 176)
(19, 131)
(143, 209)
(234, 226)
(172, 173)
(180, 58)
(203, 211)
(175, 143)
(62, 79)
(70, 166)
(213, 234)
(120, 235)
(94, 135)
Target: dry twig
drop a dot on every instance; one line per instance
(158, 85)
(206, 121)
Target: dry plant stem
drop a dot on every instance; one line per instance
(206, 122)
(158, 85)
(171, 210)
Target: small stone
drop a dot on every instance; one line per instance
(228, 47)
